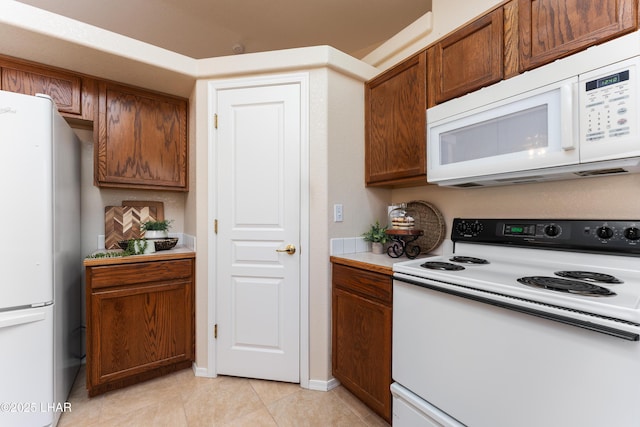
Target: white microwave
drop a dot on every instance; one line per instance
(577, 117)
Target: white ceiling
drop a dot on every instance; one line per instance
(211, 28)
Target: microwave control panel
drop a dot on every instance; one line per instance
(608, 103)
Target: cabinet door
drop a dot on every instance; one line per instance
(395, 117)
(141, 140)
(362, 349)
(467, 59)
(361, 335)
(552, 29)
(64, 88)
(137, 329)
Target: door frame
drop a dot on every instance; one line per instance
(213, 87)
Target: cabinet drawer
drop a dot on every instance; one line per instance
(122, 275)
(362, 282)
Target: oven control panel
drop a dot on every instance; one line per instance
(621, 236)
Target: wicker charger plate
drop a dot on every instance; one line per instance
(429, 219)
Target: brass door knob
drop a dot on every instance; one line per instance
(290, 249)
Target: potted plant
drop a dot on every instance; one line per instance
(156, 229)
(377, 236)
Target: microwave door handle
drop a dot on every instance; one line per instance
(567, 112)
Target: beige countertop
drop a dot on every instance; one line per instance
(179, 252)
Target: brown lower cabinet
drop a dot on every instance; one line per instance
(361, 335)
(140, 321)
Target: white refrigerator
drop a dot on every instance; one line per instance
(40, 261)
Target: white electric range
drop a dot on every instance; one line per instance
(527, 323)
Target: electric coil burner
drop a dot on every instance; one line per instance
(589, 276)
(447, 266)
(566, 285)
(437, 265)
(468, 260)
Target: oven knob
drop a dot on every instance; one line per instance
(462, 228)
(632, 233)
(552, 230)
(604, 232)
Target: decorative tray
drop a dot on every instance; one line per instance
(165, 244)
(160, 244)
(430, 220)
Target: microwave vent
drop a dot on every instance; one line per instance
(468, 185)
(524, 179)
(602, 172)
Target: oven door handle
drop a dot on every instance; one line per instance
(607, 330)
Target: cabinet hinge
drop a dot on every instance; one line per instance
(215, 120)
(215, 226)
(215, 331)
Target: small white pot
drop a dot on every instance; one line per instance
(156, 234)
(377, 247)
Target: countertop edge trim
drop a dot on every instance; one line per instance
(362, 265)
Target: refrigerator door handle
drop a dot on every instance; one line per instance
(21, 319)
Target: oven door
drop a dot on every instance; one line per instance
(488, 366)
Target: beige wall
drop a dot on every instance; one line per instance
(588, 198)
(196, 213)
(346, 182)
(337, 176)
(445, 16)
(95, 199)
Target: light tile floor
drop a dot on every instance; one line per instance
(182, 399)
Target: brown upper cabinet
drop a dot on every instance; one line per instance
(467, 59)
(70, 92)
(552, 29)
(395, 124)
(141, 139)
(140, 136)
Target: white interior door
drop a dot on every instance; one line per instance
(258, 145)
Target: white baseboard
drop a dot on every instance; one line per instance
(201, 372)
(323, 385)
(316, 385)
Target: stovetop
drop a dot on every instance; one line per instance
(512, 252)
